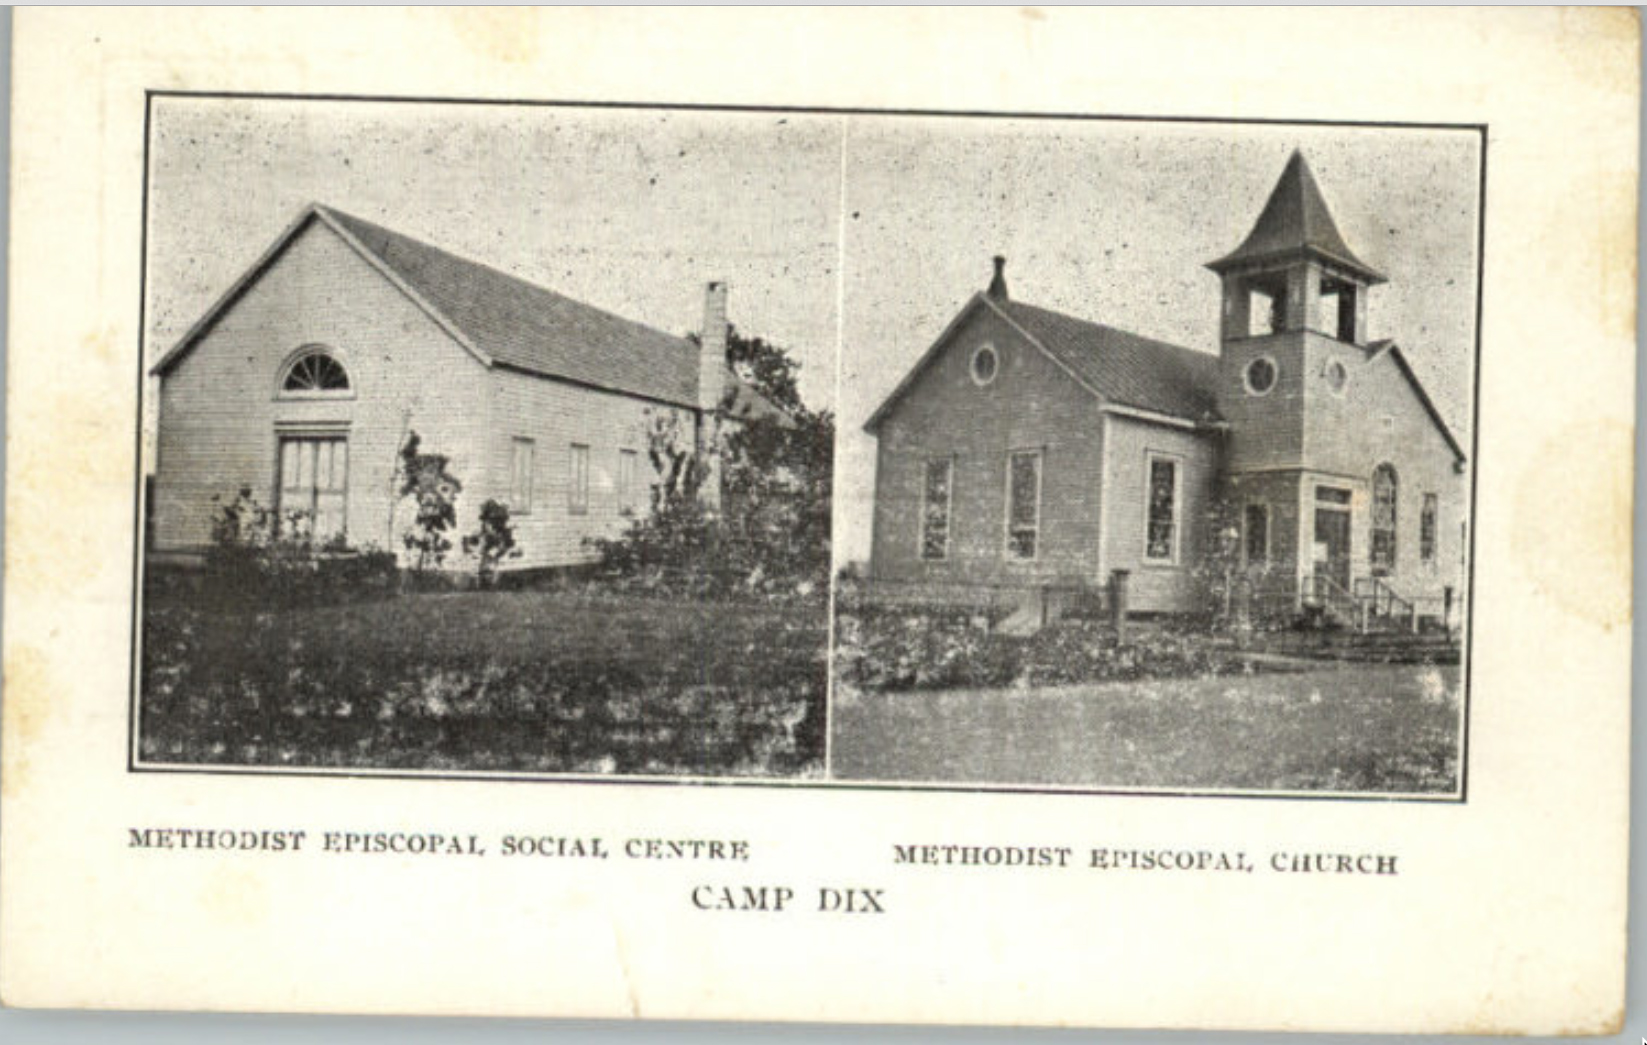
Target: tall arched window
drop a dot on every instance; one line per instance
(1385, 493)
(315, 371)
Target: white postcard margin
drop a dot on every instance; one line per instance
(1509, 911)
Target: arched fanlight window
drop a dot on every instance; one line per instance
(1385, 490)
(314, 372)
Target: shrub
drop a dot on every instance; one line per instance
(884, 648)
(263, 560)
(492, 543)
(769, 537)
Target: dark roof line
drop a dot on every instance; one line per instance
(1296, 220)
(533, 328)
(502, 319)
(1405, 366)
(1115, 366)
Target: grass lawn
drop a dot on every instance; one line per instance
(545, 681)
(1368, 728)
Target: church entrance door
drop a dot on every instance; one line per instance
(1330, 551)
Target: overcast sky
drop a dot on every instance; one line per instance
(860, 235)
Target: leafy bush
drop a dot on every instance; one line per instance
(493, 542)
(768, 535)
(259, 558)
(886, 648)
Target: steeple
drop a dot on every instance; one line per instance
(1296, 223)
(1294, 272)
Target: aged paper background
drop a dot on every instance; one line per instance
(1508, 915)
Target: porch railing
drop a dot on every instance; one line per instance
(1323, 591)
(1386, 602)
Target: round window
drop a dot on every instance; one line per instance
(1260, 375)
(1337, 377)
(984, 364)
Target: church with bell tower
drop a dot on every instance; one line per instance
(1301, 464)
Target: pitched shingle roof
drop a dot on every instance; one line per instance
(1296, 220)
(1124, 368)
(523, 325)
(504, 319)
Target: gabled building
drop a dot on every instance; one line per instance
(304, 380)
(1029, 449)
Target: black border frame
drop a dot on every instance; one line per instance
(133, 765)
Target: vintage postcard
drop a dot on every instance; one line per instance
(1134, 535)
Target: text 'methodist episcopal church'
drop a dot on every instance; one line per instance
(1029, 450)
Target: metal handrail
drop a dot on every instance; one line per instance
(1328, 592)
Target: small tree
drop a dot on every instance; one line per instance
(426, 479)
(771, 534)
(493, 542)
(676, 459)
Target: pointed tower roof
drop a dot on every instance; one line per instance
(1296, 221)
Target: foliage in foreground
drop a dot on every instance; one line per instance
(258, 558)
(890, 648)
(522, 681)
(770, 536)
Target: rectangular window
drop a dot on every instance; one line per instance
(1258, 535)
(1023, 504)
(1161, 520)
(627, 463)
(314, 483)
(935, 501)
(1426, 530)
(1385, 516)
(577, 487)
(520, 476)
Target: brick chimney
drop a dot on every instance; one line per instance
(712, 386)
(712, 348)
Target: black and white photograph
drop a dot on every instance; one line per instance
(522, 458)
(487, 438)
(1155, 455)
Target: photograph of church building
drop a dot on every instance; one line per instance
(1030, 447)
(1179, 499)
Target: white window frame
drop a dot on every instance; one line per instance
(1393, 566)
(299, 355)
(1246, 543)
(311, 436)
(521, 494)
(949, 508)
(1429, 505)
(1177, 462)
(628, 477)
(1326, 377)
(972, 365)
(577, 479)
(1246, 375)
(1039, 454)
